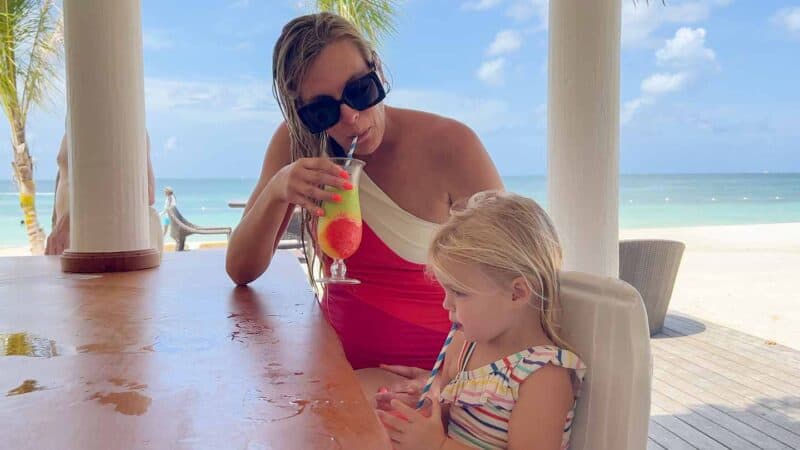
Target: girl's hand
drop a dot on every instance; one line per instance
(299, 183)
(406, 391)
(410, 429)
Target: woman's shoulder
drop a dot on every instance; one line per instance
(452, 148)
(446, 132)
(444, 142)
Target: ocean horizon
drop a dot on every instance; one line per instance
(646, 200)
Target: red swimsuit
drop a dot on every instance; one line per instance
(395, 315)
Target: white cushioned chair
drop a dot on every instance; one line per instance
(604, 319)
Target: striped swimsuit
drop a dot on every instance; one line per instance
(482, 399)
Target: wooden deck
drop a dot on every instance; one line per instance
(716, 388)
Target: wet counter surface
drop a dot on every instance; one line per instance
(175, 357)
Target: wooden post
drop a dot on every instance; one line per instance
(583, 132)
(109, 219)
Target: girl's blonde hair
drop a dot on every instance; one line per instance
(299, 44)
(507, 236)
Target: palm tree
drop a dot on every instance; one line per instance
(374, 18)
(31, 44)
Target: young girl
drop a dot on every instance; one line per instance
(508, 380)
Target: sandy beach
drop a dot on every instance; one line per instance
(740, 276)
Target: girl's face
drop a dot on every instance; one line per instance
(483, 312)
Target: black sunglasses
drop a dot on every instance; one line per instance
(359, 94)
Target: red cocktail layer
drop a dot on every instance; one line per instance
(341, 237)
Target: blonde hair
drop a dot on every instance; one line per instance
(300, 43)
(507, 236)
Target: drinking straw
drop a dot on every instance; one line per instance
(436, 366)
(350, 151)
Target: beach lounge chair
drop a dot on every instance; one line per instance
(180, 228)
(605, 322)
(291, 237)
(651, 266)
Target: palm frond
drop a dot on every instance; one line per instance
(45, 49)
(374, 18)
(29, 47)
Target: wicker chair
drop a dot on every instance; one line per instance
(180, 228)
(651, 266)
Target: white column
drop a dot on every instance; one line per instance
(583, 132)
(106, 132)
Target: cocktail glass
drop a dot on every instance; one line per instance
(339, 230)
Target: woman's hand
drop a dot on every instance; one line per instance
(299, 183)
(406, 391)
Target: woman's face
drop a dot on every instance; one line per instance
(337, 64)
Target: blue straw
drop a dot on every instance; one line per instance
(352, 148)
(350, 151)
(436, 366)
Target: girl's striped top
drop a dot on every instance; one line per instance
(482, 400)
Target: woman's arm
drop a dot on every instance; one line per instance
(469, 167)
(545, 399)
(252, 242)
(282, 185)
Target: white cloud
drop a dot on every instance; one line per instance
(484, 115)
(524, 10)
(640, 20)
(492, 71)
(156, 40)
(689, 57)
(480, 5)
(788, 19)
(213, 101)
(171, 144)
(631, 107)
(664, 83)
(243, 45)
(506, 41)
(686, 49)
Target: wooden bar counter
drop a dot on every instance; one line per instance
(173, 357)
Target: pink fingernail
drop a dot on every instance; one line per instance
(336, 197)
(348, 186)
(320, 212)
(344, 175)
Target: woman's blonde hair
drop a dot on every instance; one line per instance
(507, 236)
(300, 43)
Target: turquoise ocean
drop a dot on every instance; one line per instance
(646, 201)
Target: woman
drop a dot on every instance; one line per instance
(330, 85)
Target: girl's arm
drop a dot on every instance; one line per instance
(545, 399)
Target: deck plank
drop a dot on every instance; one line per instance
(716, 387)
(717, 334)
(737, 397)
(667, 439)
(682, 429)
(741, 429)
(700, 422)
(755, 378)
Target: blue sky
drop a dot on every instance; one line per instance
(707, 85)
